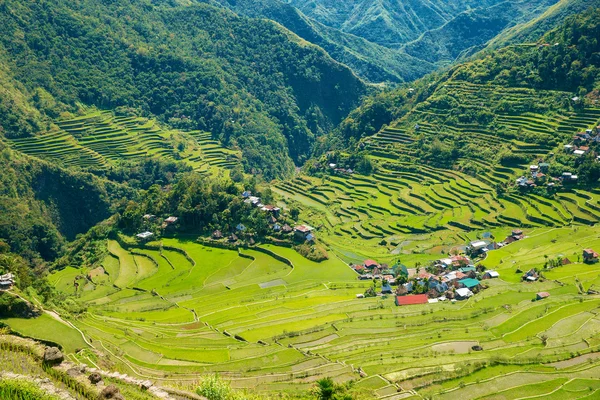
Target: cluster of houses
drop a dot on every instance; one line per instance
(478, 248)
(581, 145)
(582, 141)
(168, 223)
(7, 281)
(344, 171)
(300, 232)
(452, 278)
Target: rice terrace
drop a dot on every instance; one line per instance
(259, 200)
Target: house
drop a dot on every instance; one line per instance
(271, 209)
(370, 264)
(478, 246)
(568, 148)
(565, 261)
(542, 295)
(302, 231)
(255, 201)
(276, 227)
(445, 262)
(386, 289)
(579, 152)
(6, 281)
(468, 269)
(310, 237)
(400, 269)
(271, 220)
(360, 296)
(438, 286)
(171, 220)
(590, 256)
(240, 227)
(217, 234)
(359, 268)
(491, 275)
(530, 276)
(544, 167)
(460, 261)
(469, 283)
(411, 299)
(246, 194)
(144, 235)
(149, 217)
(366, 277)
(286, 228)
(463, 293)
(534, 168)
(233, 238)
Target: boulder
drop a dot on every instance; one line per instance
(477, 348)
(95, 378)
(111, 392)
(53, 356)
(146, 385)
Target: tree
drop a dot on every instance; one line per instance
(325, 388)
(294, 213)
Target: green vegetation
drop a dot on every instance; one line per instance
(250, 83)
(218, 300)
(22, 390)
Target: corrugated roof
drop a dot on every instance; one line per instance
(411, 299)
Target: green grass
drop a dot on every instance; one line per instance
(45, 327)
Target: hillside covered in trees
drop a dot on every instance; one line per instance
(398, 41)
(564, 58)
(250, 82)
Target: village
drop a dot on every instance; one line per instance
(581, 145)
(242, 234)
(454, 278)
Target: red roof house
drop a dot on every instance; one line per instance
(590, 256)
(411, 299)
(370, 264)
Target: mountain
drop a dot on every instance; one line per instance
(370, 60)
(469, 31)
(390, 23)
(571, 66)
(392, 41)
(553, 17)
(251, 83)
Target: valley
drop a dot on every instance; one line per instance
(299, 200)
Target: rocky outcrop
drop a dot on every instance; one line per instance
(110, 392)
(94, 378)
(53, 356)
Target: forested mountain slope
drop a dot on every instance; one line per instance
(571, 66)
(394, 41)
(368, 59)
(530, 31)
(42, 205)
(249, 82)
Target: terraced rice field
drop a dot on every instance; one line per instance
(99, 139)
(197, 309)
(405, 198)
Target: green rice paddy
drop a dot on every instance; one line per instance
(99, 139)
(200, 309)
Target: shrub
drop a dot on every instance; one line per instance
(214, 388)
